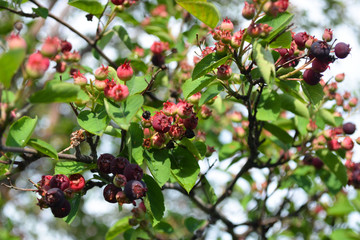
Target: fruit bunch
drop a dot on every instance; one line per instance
(56, 190)
(127, 185)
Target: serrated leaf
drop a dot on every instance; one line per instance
(265, 62)
(59, 92)
(159, 164)
(207, 64)
(138, 84)
(184, 168)
(43, 147)
(21, 131)
(90, 6)
(10, 62)
(92, 122)
(72, 167)
(119, 227)
(124, 36)
(155, 198)
(314, 93)
(293, 105)
(42, 12)
(211, 92)
(204, 11)
(123, 114)
(334, 164)
(191, 86)
(74, 203)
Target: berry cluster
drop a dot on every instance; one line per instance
(353, 173)
(127, 185)
(56, 190)
(172, 123)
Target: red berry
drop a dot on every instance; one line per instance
(125, 72)
(77, 182)
(65, 46)
(117, 2)
(160, 122)
(347, 143)
(319, 66)
(342, 50)
(248, 11)
(317, 163)
(191, 122)
(36, 65)
(224, 72)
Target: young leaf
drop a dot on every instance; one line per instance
(204, 11)
(10, 62)
(20, 132)
(43, 147)
(124, 113)
(155, 197)
(334, 164)
(184, 167)
(192, 86)
(119, 227)
(265, 62)
(207, 64)
(94, 123)
(59, 92)
(124, 36)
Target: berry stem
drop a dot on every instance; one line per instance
(283, 77)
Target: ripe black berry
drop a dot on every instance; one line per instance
(158, 60)
(104, 162)
(118, 165)
(342, 50)
(135, 189)
(311, 77)
(317, 163)
(133, 172)
(320, 50)
(319, 66)
(189, 133)
(61, 211)
(349, 128)
(110, 192)
(170, 145)
(146, 115)
(54, 197)
(59, 181)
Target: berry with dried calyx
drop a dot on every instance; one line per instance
(79, 79)
(327, 35)
(157, 140)
(125, 72)
(320, 50)
(102, 72)
(160, 122)
(342, 50)
(248, 11)
(133, 172)
(65, 46)
(118, 165)
(77, 182)
(104, 162)
(135, 189)
(227, 25)
(63, 210)
(59, 181)
(54, 197)
(184, 109)
(311, 77)
(110, 192)
(119, 180)
(169, 109)
(51, 46)
(224, 72)
(191, 122)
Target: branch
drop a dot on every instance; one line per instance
(20, 13)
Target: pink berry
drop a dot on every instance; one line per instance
(340, 77)
(79, 79)
(169, 108)
(160, 122)
(184, 109)
(14, 41)
(347, 143)
(227, 25)
(36, 65)
(342, 50)
(102, 72)
(248, 11)
(125, 72)
(327, 35)
(224, 72)
(51, 46)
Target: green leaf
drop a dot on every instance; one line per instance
(10, 63)
(191, 147)
(92, 122)
(74, 203)
(265, 62)
(123, 114)
(341, 207)
(20, 132)
(228, 150)
(302, 181)
(90, 6)
(115, 132)
(159, 32)
(164, 227)
(43, 147)
(314, 93)
(283, 41)
(124, 36)
(7, 96)
(59, 92)
(191, 86)
(344, 234)
(293, 105)
(210, 93)
(155, 198)
(301, 124)
(105, 39)
(331, 181)
(278, 132)
(113, 75)
(278, 24)
(193, 224)
(135, 142)
(204, 11)
(268, 107)
(119, 227)
(42, 12)
(334, 164)
(72, 167)
(138, 84)
(208, 191)
(184, 167)
(159, 164)
(327, 116)
(207, 64)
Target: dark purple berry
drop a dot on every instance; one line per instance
(121, 198)
(59, 181)
(54, 197)
(300, 39)
(320, 50)
(133, 172)
(319, 66)
(118, 165)
(158, 60)
(146, 115)
(61, 211)
(311, 77)
(317, 163)
(191, 122)
(170, 145)
(189, 133)
(135, 189)
(342, 50)
(349, 128)
(110, 192)
(104, 162)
